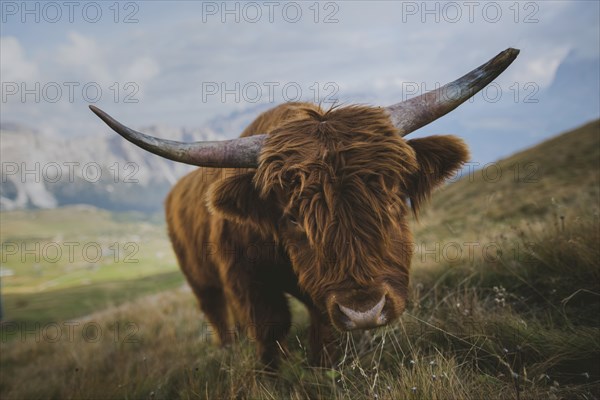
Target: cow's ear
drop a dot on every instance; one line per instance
(236, 198)
(438, 158)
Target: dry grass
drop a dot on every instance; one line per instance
(523, 324)
(497, 331)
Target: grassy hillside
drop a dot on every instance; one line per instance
(65, 263)
(505, 304)
(558, 178)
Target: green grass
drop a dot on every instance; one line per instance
(68, 262)
(470, 332)
(28, 309)
(518, 321)
(558, 177)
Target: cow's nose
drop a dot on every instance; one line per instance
(364, 319)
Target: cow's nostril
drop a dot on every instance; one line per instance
(364, 319)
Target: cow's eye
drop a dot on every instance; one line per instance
(293, 220)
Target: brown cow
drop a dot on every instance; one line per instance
(313, 203)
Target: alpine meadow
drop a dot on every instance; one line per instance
(326, 199)
(503, 303)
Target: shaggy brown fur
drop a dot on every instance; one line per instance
(323, 218)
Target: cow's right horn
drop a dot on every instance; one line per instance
(235, 153)
(417, 112)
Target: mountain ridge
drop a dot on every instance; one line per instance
(103, 170)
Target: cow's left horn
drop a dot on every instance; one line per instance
(235, 153)
(417, 112)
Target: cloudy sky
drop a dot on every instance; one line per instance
(185, 63)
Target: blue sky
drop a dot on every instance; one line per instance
(175, 59)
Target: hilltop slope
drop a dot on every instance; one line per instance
(506, 328)
(559, 177)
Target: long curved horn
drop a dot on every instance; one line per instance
(235, 153)
(417, 112)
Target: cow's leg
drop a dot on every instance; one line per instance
(323, 340)
(203, 277)
(260, 306)
(211, 299)
(214, 306)
(272, 321)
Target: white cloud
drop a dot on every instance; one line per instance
(14, 67)
(83, 53)
(370, 53)
(141, 69)
(542, 68)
